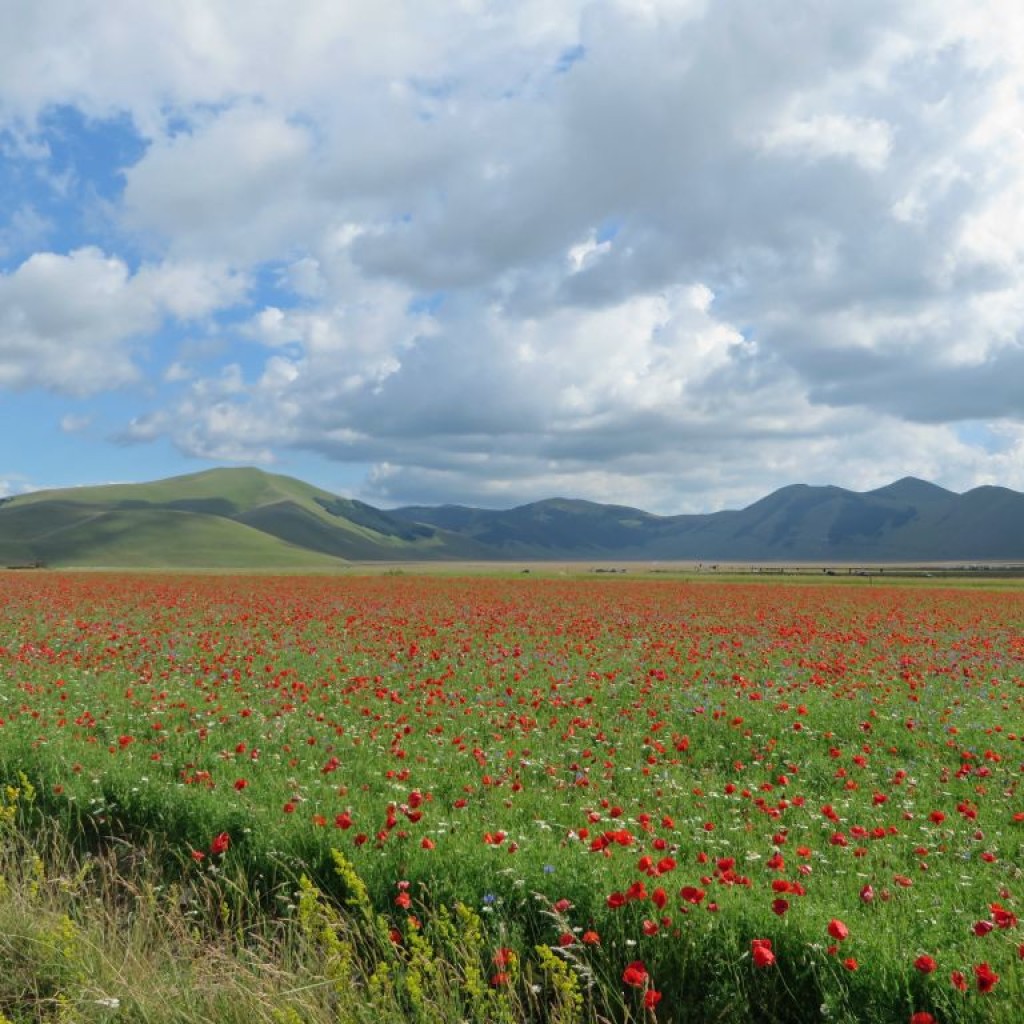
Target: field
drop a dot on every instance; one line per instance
(530, 798)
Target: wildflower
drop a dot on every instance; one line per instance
(691, 894)
(985, 977)
(761, 952)
(1002, 917)
(635, 974)
(838, 930)
(220, 844)
(925, 964)
(503, 957)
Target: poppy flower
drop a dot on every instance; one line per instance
(838, 930)
(635, 974)
(925, 964)
(691, 894)
(220, 844)
(985, 977)
(503, 957)
(761, 952)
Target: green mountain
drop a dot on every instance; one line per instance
(245, 518)
(221, 518)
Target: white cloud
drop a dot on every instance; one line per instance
(67, 323)
(648, 250)
(866, 141)
(73, 323)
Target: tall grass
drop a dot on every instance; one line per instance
(111, 934)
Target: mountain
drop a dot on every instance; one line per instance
(221, 518)
(246, 518)
(909, 520)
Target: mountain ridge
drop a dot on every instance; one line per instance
(244, 517)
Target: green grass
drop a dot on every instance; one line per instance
(162, 538)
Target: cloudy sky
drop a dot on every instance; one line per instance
(667, 253)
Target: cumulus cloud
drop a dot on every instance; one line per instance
(666, 252)
(72, 323)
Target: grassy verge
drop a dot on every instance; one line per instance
(112, 935)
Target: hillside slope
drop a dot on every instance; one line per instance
(223, 518)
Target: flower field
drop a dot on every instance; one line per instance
(649, 799)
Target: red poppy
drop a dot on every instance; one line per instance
(838, 930)
(503, 957)
(925, 964)
(220, 844)
(1002, 917)
(985, 977)
(635, 974)
(691, 894)
(761, 952)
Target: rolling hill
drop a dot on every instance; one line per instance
(221, 518)
(246, 518)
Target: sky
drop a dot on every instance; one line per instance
(672, 254)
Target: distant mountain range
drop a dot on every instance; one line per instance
(245, 518)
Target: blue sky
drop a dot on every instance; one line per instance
(666, 253)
